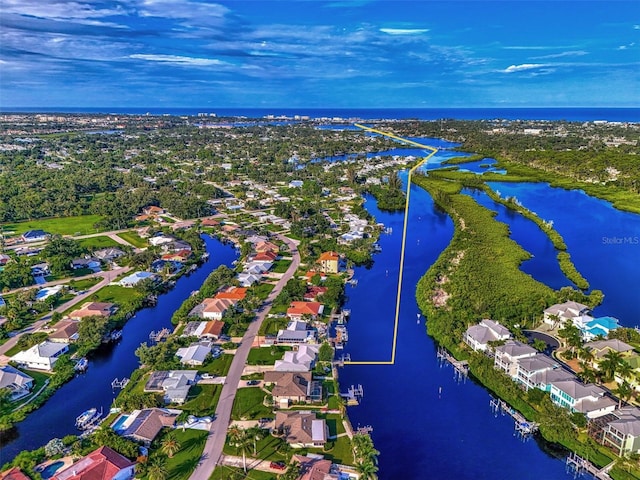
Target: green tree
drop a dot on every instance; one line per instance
(157, 469)
(170, 445)
(242, 441)
(325, 353)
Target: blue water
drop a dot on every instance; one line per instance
(604, 243)
(569, 114)
(543, 266)
(51, 469)
(93, 388)
(425, 424)
(118, 425)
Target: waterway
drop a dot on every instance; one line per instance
(426, 423)
(93, 389)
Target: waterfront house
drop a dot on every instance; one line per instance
(289, 387)
(507, 356)
(66, 331)
(144, 425)
(101, 464)
(14, 474)
(232, 293)
(94, 309)
(195, 354)
(329, 262)
(303, 359)
(600, 348)
(247, 279)
(538, 371)
(264, 257)
(266, 246)
(175, 384)
(135, 278)
(558, 314)
(297, 332)
(302, 429)
(153, 210)
(315, 468)
(479, 336)
(160, 238)
(575, 396)
(622, 432)
(313, 292)
(215, 308)
(108, 255)
(42, 356)
(297, 310)
(18, 383)
(35, 236)
(258, 268)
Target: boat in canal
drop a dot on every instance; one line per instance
(87, 418)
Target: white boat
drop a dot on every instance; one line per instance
(86, 418)
(81, 365)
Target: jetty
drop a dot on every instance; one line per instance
(341, 337)
(578, 466)
(461, 368)
(119, 383)
(354, 395)
(523, 427)
(160, 335)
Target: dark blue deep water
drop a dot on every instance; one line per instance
(93, 388)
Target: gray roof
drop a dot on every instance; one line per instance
(546, 377)
(627, 426)
(516, 349)
(496, 327)
(536, 363)
(12, 376)
(613, 344)
(577, 390)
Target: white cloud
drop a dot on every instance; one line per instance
(404, 31)
(57, 10)
(524, 67)
(570, 53)
(178, 59)
(624, 47)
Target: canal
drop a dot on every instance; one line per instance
(56, 418)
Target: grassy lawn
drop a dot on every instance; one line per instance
(248, 405)
(81, 225)
(338, 451)
(220, 366)
(271, 325)
(185, 461)
(38, 381)
(203, 399)
(168, 219)
(265, 448)
(83, 284)
(96, 243)
(115, 294)
(81, 272)
(266, 355)
(262, 290)
(134, 239)
(225, 473)
(281, 265)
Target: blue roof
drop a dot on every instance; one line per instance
(598, 331)
(609, 323)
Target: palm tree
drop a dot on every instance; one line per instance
(610, 364)
(367, 470)
(170, 445)
(624, 392)
(157, 469)
(239, 438)
(256, 434)
(625, 371)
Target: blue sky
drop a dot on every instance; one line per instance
(313, 53)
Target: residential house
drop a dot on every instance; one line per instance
(560, 313)
(42, 356)
(600, 348)
(622, 434)
(164, 265)
(40, 270)
(175, 384)
(329, 262)
(247, 279)
(315, 468)
(144, 425)
(597, 327)
(4, 259)
(301, 360)
(195, 354)
(44, 293)
(302, 429)
(35, 236)
(153, 210)
(209, 222)
(297, 310)
(211, 329)
(101, 464)
(135, 278)
(289, 387)
(18, 383)
(479, 336)
(181, 256)
(575, 396)
(215, 308)
(313, 292)
(13, 474)
(232, 293)
(160, 238)
(297, 332)
(539, 371)
(266, 246)
(108, 255)
(296, 183)
(92, 263)
(507, 356)
(66, 331)
(257, 268)
(94, 309)
(264, 257)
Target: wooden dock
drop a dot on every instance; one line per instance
(461, 368)
(524, 428)
(578, 466)
(160, 335)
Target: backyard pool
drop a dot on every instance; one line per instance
(51, 469)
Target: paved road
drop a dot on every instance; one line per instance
(107, 277)
(218, 433)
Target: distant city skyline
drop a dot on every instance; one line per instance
(319, 53)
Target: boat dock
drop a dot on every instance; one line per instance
(461, 368)
(523, 427)
(578, 466)
(119, 383)
(354, 395)
(160, 335)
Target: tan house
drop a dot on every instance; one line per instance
(93, 309)
(301, 429)
(290, 387)
(329, 262)
(66, 331)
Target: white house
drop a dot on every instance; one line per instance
(479, 336)
(135, 278)
(247, 279)
(578, 397)
(301, 360)
(559, 313)
(42, 356)
(194, 354)
(508, 355)
(18, 383)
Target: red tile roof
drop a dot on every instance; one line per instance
(232, 293)
(13, 474)
(329, 256)
(302, 308)
(101, 464)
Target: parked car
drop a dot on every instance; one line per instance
(278, 465)
(253, 382)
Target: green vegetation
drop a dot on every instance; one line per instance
(571, 271)
(96, 243)
(249, 404)
(79, 225)
(281, 266)
(266, 355)
(203, 399)
(134, 239)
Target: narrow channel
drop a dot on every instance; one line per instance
(56, 418)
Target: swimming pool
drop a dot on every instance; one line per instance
(118, 424)
(51, 469)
